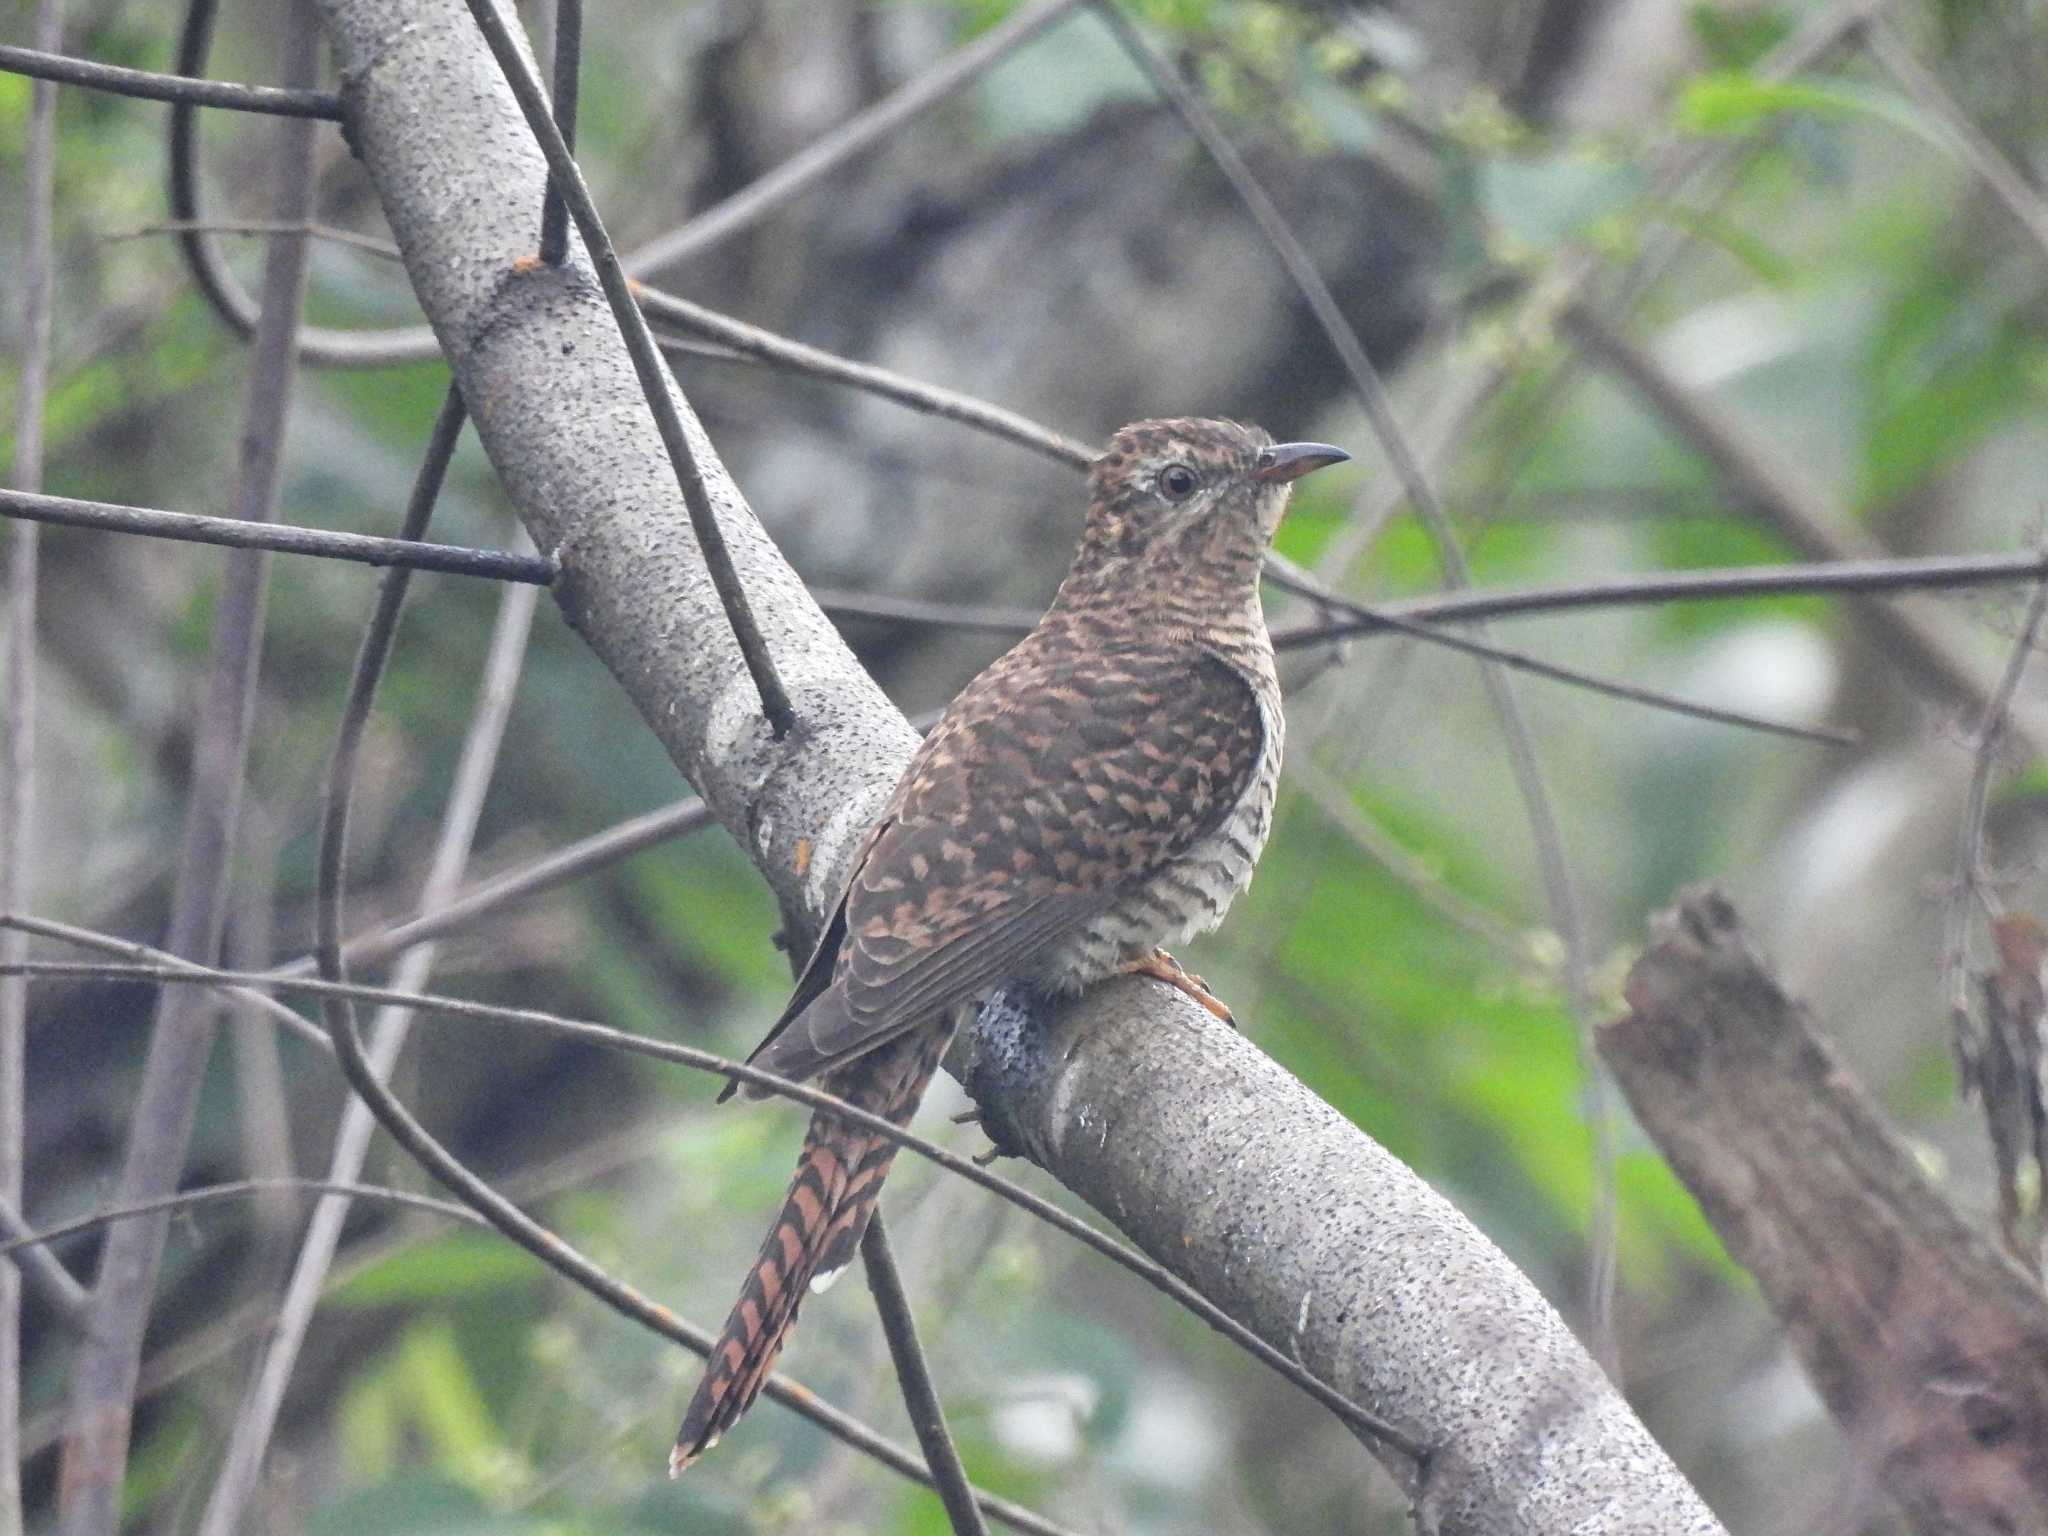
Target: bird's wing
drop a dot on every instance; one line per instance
(1036, 804)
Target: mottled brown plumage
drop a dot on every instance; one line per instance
(1101, 790)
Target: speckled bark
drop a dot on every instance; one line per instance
(560, 412)
(1930, 1346)
(1229, 1171)
(1279, 1201)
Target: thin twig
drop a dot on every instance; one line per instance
(1329, 798)
(1780, 498)
(1933, 573)
(313, 229)
(1984, 158)
(598, 851)
(606, 1037)
(319, 345)
(927, 1418)
(18, 752)
(754, 343)
(1560, 890)
(647, 364)
(46, 64)
(237, 1189)
(42, 1269)
(1412, 616)
(856, 135)
(101, 1401)
(256, 1419)
(324, 346)
(145, 954)
(565, 72)
(1970, 879)
(1284, 574)
(284, 538)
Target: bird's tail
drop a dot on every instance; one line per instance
(838, 1179)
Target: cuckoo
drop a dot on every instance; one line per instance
(1100, 791)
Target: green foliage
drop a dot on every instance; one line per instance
(1444, 1055)
(1736, 37)
(459, 1266)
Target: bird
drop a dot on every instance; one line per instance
(1098, 792)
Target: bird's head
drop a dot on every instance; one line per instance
(1203, 495)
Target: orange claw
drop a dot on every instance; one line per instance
(1161, 966)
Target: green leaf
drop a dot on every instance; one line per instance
(1737, 38)
(2030, 783)
(460, 1265)
(1731, 104)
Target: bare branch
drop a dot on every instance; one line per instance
(41, 1268)
(855, 136)
(1983, 157)
(1798, 514)
(565, 76)
(18, 751)
(283, 538)
(254, 1424)
(654, 384)
(758, 345)
(103, 1377)
(1232, 1173)
(47, 64)
(1932, 573)
(1284, 574)
(919, 1396)
(144, 954)
(1929, 1346)
(238, 1189)
(598, 851)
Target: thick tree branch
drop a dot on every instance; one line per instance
(559, 411)
(1929, 1345)
(1230, 1172)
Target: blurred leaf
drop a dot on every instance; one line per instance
(712, 904)
(1942, 374)
(1698, 543)
(1749, 252)
(1736, 38)
(1404, 558)
(445, 1400)
(462, 1264)
(422, 1505)
(1541, 200)
(2030, 783)
(1730, 104)
(163, 1458)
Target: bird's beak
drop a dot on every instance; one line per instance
(1282, 462)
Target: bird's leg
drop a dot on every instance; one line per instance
(1163, 967)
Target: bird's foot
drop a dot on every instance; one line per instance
(1007, 1056)
(1161, 966)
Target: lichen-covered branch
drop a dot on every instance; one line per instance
(1929, 1345)
(1228, 1170)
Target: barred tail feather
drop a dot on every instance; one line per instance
(850, 1224)
(762, 1318)
(838, 1180)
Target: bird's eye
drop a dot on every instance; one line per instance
(1177, 482)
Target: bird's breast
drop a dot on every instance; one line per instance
(1187, 896)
